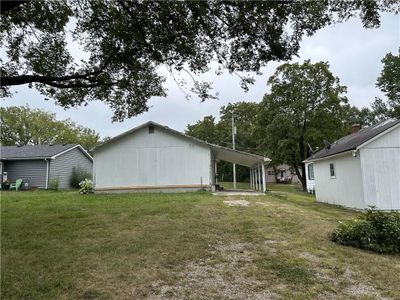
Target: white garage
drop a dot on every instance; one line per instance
(155, 157)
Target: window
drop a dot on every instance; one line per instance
(270, 173)
(310, 171)
(151, 129)
(332, 170)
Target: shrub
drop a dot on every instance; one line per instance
(79, 175)
(374, 230)
(55, 184)
(86, 186)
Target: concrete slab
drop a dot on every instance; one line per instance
(238, 193)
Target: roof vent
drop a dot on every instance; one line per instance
(151, 129)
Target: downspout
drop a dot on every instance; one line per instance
(47, 173)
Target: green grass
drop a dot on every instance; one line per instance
(62, 245)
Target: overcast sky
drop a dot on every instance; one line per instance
(353, 52)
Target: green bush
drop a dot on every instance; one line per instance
(79, 175)
(86, 186)
(55, 184)
(374, 230)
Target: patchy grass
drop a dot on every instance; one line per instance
(183, 246)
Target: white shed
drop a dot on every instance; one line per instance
(155, 157)
(360, 170)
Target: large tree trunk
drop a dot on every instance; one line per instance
(302, 176)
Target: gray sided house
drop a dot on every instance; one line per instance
(40, 164)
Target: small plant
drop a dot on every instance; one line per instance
(374, 230)
(86, 186)
(55, 184)
(79, 175)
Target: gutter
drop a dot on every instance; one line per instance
(47, 172)
(329, 156)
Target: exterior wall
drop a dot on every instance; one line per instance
(380, 164)
(346, 188)
(32, 171)
(161, 160)
(310, 183)
(286, 173)
(61, 167)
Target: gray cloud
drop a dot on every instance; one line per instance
(353, 52)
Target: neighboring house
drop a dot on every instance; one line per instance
(155, 157)
(40, 164)
(282, 173)
(359, 170)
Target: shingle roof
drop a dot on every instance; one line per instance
(32, 152)
(352, 141)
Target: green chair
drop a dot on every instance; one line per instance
(16, 185)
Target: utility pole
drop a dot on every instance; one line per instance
(233, 147)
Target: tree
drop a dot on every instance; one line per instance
(305, 106)
(127, 42)
(221, 133)
(26, 126)
(389, 83)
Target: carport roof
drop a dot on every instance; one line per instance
(219, 152)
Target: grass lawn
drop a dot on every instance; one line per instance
(61, 245)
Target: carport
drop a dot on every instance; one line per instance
(255, 163)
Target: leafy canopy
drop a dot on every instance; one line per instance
(128, 42)
(305, 106)
(26, 126)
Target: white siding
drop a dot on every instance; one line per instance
(380, 164)
(346, 188)
(160, 159)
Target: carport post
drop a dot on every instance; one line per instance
(259, 179)
(255, 178)
(251, 180)
(264, 189)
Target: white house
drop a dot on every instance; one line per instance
(359, 170)
(155, 157)
(282, 173)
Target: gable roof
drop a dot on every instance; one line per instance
(38, 151)
(223, 153)
(355, 140)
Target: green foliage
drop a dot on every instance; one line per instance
(221, 133)
(305, 106)
(55, 184)
(127, 42)
(374, 230)
(86, 186)
(26, 126)
(78, 175)
(389, 83)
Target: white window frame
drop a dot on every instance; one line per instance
(330, 170)
(310, 166)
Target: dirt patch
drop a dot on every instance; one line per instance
(237, 202)
(310, 257)
(262, 204)
(355, 288)
(222, 279)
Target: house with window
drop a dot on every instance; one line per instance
(38, 165)
(282, 173)
(359, 170)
